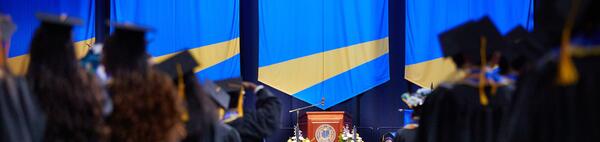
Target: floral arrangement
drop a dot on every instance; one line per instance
(417, 98)
(297, 132)
(349, 136)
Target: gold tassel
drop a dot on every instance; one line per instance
(181, 92)
(3, 61)
(494, 89)
(482, 81)
(221, 114)
(567, 72)
(240, 105)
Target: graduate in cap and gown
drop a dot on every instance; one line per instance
(559, 100)
(70, 97)
(470, 108)
(521, 52)
(22, 118)
(220, 130)
(201, 117)
(518, 57)
(146, 104)
(256, 124)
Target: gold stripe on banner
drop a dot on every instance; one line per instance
(430, 72)
(210, 55)
(18, 65)
(295, 75)
(82, 47)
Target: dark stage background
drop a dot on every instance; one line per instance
(374, 112)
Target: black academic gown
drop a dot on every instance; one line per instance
(200, 128)
(547, 112)
(406, 135)
(221, 132)
(453, 113)
(257, 124)
(196, 109)
(21, 117)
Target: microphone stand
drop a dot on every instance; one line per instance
(297, 132)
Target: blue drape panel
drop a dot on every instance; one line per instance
(23, 14)
(187, 24)
(426, 19)
(332, 49)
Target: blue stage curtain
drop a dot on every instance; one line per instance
(208, 28)
(323, 49)
(23, 14)
(425, 19)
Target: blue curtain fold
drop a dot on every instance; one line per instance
(301, 43)
(187, 25)
(426, 19)
(23, 14)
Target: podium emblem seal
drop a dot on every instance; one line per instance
(325, 133)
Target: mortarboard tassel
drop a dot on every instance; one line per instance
(2, 60)
(240, 105)
(482, 81)
(221, 114)
(181, 91)
(567, 73)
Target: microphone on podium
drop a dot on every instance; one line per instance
(322, 103)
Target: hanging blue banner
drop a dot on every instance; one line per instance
(23, 14)
(323, 49)
(208, 28)
(426, 19)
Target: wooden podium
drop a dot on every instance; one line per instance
(324, 126)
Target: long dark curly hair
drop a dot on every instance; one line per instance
(146, 105)
(69, 96)
(146, 108)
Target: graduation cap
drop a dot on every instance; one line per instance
(233, 87)
(521, 44)
(57, 23)
(62, 19)
(132, 34)
(584, 9)
(182, 63)
(464, 41)
(217, 94)
(455, 40)
(125, 49)
(181, 69)
(488, 29)
(52, 39)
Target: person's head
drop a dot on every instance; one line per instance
(125, 50)
(522, 50)
(586, 17)
(201, 110)
(463, 44)
(551, 16)
(52, 48)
